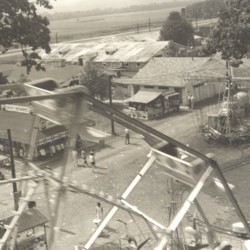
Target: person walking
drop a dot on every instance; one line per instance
(92, 160)
(127, 136)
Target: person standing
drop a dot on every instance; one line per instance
(74, 156)
(189, 101)
(84, 158)
(98, 213)
(92, 160)
(192, 101)
(127, 136)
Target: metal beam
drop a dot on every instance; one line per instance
(114, 209)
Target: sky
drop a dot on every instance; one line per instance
(82, 5)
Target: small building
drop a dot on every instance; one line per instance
(20, 120)
(31, 232)
(124, 58)
(147, 105)
(169, 74)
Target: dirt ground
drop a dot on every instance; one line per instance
(119, 163)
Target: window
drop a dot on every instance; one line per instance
(104, 64)
(126, 64)
(164, 87)
(138, 64)
(148, 87)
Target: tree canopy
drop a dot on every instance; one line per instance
(205, 9)
(21, 25)
(177, 28)
(95, 81)
(231, 36)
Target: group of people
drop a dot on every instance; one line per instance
(87, 160)
(17, 151)
(50, 151)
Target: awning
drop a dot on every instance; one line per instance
(143, 96)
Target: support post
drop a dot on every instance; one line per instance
(111, 103)
(13, 171)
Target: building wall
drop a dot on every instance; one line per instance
(200, 91)
(128, 69)
(205, 91)
(133, 66)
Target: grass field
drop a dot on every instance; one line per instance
(106, 24)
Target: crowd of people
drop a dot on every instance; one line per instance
(17, 149)
(50, 150)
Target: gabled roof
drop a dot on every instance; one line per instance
(215, 67)
(125, 51)
(164, 71)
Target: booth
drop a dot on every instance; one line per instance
(147, 105)
(31, 232)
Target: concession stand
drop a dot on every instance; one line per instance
(31, 231)
(28, 129)
(147, 105)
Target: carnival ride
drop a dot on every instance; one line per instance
(228, 123)
(180, 162)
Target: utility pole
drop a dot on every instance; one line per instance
(138, 28)
(13, 172)
(110, 102)
(149, 24)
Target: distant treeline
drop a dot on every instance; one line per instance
(205, 10)
(132, 8)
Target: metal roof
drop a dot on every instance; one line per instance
(144, 96)
(125, 51)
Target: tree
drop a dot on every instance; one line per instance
(231, 36)
(205, 9)
(95, 81)
(177, 28)
(20, 24)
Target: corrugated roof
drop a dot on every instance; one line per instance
(143, 96)
(164, 71)
(126, 51)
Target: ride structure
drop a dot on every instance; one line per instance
(179, 162)
(227, 124)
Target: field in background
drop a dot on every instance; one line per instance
(107, 24)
